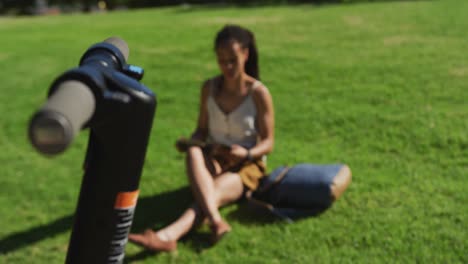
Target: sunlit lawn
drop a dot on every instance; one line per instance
(381, 87)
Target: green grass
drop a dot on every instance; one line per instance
(381, 87)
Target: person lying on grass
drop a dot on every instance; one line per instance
(236, 114)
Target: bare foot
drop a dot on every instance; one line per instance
(152, 241)
(219, 229)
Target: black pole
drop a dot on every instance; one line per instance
(119, 132)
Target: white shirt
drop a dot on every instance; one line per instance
(236, 127)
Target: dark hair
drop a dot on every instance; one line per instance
(246, 38)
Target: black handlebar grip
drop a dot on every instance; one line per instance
(60, 119)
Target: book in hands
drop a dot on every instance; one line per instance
(183, 144)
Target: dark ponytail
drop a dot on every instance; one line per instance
(247, 39)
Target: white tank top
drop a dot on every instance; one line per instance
(236, 127)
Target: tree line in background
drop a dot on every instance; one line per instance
(16, 7)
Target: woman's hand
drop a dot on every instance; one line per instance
(231, 154)
(238, 152)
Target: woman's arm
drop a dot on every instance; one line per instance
(201, 131)
(265, 121)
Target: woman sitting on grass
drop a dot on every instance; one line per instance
(236, 115)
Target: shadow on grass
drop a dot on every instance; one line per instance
(160, 210)
(157, 210)
(25, 238)
(139, 256)
(151, 212)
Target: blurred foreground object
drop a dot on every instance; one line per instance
(103, 94)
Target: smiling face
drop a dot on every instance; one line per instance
(231, 59)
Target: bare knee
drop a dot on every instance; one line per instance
(194, 154)
(197, 160)
(341, 182)
(228, 188)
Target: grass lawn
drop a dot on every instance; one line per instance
(382, 87)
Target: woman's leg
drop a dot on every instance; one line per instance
(189, 219)
(200, 173)
(228, 188)
(341, 182)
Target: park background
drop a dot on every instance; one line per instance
(381, 86)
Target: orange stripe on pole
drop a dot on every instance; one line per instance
(126, 199)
